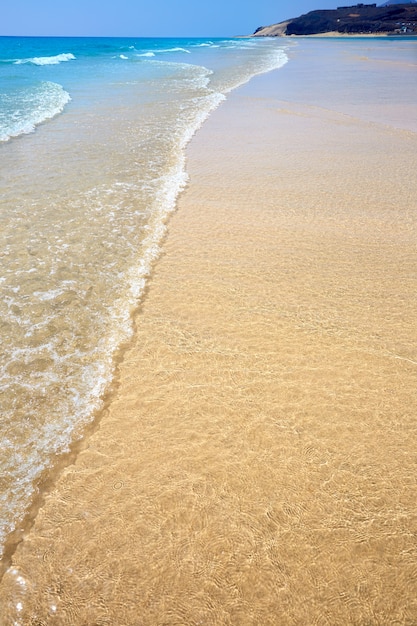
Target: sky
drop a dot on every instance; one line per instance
(149, 18)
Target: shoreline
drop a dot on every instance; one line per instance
(54, 143)
(335, 34)
(48, 478)
(247, 467)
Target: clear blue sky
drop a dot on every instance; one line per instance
(152, 18)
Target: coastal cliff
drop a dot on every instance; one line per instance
(364, 19)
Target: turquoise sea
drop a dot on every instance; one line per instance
(92, 138)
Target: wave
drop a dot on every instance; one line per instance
(161, 50)
(174, 50)
(31, 107)
(53, 60)
(208, 44)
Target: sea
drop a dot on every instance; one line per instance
(92, 158)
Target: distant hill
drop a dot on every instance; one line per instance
(392, 19)
(387, 4)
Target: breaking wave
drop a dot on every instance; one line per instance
(53, 60)
(27, 108)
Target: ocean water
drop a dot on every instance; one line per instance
(92, 138)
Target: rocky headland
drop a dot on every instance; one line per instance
(360, 19)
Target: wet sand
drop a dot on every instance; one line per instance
(257, 462)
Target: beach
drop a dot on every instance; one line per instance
(255, 461)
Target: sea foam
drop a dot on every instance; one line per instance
(31, 107)
(52, 60)
(175, 50)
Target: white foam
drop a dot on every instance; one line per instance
(122, 56)
(146, 54)
(48, 295)
(53, 60)
(174, 50)
(275, 60)
(32, 107)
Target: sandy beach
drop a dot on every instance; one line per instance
(256, 462)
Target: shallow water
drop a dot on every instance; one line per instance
(92, 137)
(257, 462)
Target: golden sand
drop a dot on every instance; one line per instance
(257, 464)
